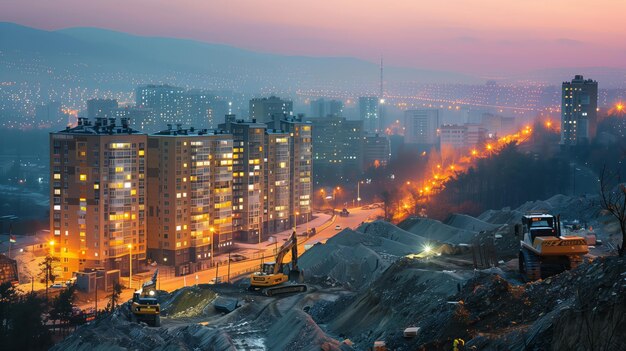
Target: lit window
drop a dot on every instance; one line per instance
(57, 191)
(141, 152)
(96, 186)
(83, 177)
(57, 176)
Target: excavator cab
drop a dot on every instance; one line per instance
(268, 267)
(539, 225)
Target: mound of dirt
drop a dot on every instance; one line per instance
(298, 331)
(116, 333)
(582, 309)
(406, 292)
(389, 231)
(437, 231)
(466, 222)
(355, 259)
(504, 216)
(187, 302)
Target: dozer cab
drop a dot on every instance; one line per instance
(543, 250)
(145, 306)
(272, 280)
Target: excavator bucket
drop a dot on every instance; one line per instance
(296, 276)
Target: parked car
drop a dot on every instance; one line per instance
(57, 286)
(337, 227)
(237, 257)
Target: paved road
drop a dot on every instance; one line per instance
(266, 252)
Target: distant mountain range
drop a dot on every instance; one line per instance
(91, 56)
(101, 59)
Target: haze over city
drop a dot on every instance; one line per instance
(312, 175)
(486, 38)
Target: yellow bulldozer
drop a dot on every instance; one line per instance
(543, 250)
(145, 306)
(271, 280)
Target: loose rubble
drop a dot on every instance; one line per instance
(371, 283)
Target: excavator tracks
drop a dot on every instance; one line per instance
(284, 289)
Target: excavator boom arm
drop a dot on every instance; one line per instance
(290, 244)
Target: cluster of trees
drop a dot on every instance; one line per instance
(509, 178)
(27, 320)
(21, 324)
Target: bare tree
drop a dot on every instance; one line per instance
(387, 198)
(47, 274)
(613, 201)
(115, 297)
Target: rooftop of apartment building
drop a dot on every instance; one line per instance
(101, 126)
(178, 130)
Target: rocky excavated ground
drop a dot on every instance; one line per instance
(371, 283)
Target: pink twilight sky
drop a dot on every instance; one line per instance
(473, 36)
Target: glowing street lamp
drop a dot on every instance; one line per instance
(51, 244)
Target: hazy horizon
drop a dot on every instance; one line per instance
(500, 37)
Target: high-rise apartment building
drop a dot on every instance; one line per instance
(453, 136)
(198, 107)
(190, 197)
(369, 113)
(140, 118)
(579, 116)
(337, 147)
(325, 108)
(476, 134)
(248, 178)
(174, 105)
(376, 151)
(301, 167)
(421, 127)
(165, 101)
(264, 110)
(100, 108)
(277, 182)
(97, 195)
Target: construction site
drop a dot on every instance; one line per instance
(544, 276)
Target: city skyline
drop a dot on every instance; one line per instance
(498, 37)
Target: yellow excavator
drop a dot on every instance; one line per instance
(145, 306)
(271, 279)
(543, 250)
